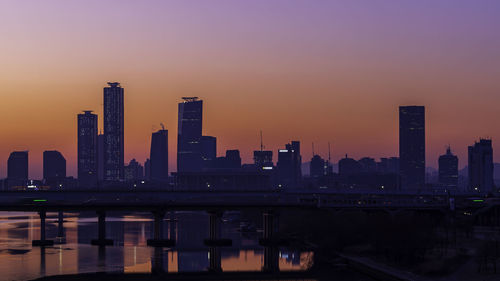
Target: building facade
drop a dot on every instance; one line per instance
(87, 149)
(189, 150)
(113, 132)
(412, 147)
(448, 170)
(159, 156)
(481, 166)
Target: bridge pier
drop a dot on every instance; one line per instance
(214, 231)
(43, 241)
(157, 264)
(101, 224)
(158, 240)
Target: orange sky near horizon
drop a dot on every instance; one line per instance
(297, 72)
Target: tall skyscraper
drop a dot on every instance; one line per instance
(17, 168)
(189, 135)
(412, 146)
(481, 166)
(159, 156)
(448, 170)
(54, 166)
(100, 157)
(289, 165)
(87, 149)
(113, 132)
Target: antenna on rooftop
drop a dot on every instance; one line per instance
(329, 155)
(162, 126)
(313, 148)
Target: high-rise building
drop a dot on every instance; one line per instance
(289, 166)
(87, 149)
(412, 146)
(448, 170)
(159, 156)
(481, 166)
(100, 157)
(189, 152)
(17, 168)
(208, 151)
(113, 132)
(54, 166)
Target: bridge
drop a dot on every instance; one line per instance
(215, 203)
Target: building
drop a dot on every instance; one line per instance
(263, 159)
(481, 166)
(289, 165)
(317, 167)
(54, 167)
(159, 156)
(113, 132)
(448, 170)
(100, 157)
(87, 149)
(17, 169)
(412, 147)
(233, 159)
(189, 155)
(134, 171)
(208, 151)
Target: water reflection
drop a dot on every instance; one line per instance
(130, 254)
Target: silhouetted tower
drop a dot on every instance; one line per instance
(189, 135)
(208, 151)
(289, 165)
(87, 149)
(448, 170)
(159, 156)
(412, 146)
(481, 166)
(113, 132)
(100, 157)
(54, 166)
(17, 168)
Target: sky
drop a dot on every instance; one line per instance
(315, 71)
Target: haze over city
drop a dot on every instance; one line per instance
(321, 71)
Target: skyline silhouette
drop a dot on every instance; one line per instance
(316, 62)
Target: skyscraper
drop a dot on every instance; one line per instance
(17, 168)
(481, 166)
(159, 156)
(100, 157)
(448, 170)
(87, 149)
(189, 135)
(412, 146)
(54, 166)
(289, 165)
(208, 151)
(113, 132)
(317, 167)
